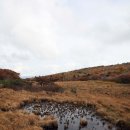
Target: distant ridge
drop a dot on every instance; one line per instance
(8, 74)
(115, 73)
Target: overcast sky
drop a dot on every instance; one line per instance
(39, 37)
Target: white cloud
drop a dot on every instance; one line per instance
(39, 37)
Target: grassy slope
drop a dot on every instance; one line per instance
(94, 73)
(6, 74)
(111, 99)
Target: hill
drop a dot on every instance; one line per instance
(117, 73)
(93, 87)
(6, 74)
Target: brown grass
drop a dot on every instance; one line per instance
(19, 120)
(8, 74)
(112, 101)
(50, 121)
(117, 73)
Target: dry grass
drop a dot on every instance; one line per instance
(11, 118)
(117, 73)
(112, 101)
(50, 121)
(12, 100)
(19, 120)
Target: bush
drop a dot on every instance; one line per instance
(6, 74)
(52, 87)
(74, 90)
(125, 78)
(12, 83)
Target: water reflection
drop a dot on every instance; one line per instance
(69, 116)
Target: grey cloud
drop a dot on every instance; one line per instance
(42, 37)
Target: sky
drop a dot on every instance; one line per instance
(41, 37)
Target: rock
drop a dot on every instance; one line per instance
(83, 122)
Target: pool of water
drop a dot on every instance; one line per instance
(69, 116)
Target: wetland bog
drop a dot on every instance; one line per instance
(69, 116)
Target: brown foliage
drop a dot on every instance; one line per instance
(6, 74)
(123, 78)
(106, 73)
(19, 120)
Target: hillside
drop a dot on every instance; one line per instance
(92, 88)
(117, 73)
(6, 74)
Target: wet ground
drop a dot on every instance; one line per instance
(69, 116)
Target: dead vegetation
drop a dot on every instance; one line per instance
(50, 123)
(117, 73)
(20, 120)
(111, 99)
(6, 74)
(83, 122)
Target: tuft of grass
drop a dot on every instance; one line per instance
(50, 122)
(19, 121)
(73, 90)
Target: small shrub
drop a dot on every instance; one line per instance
(12, 83)
(125, 78)
(74, 90)
(83, 122)
(8, 74)
(52, 88)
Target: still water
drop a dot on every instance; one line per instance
(71, 115)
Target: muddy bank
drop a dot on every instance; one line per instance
(69, 116)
